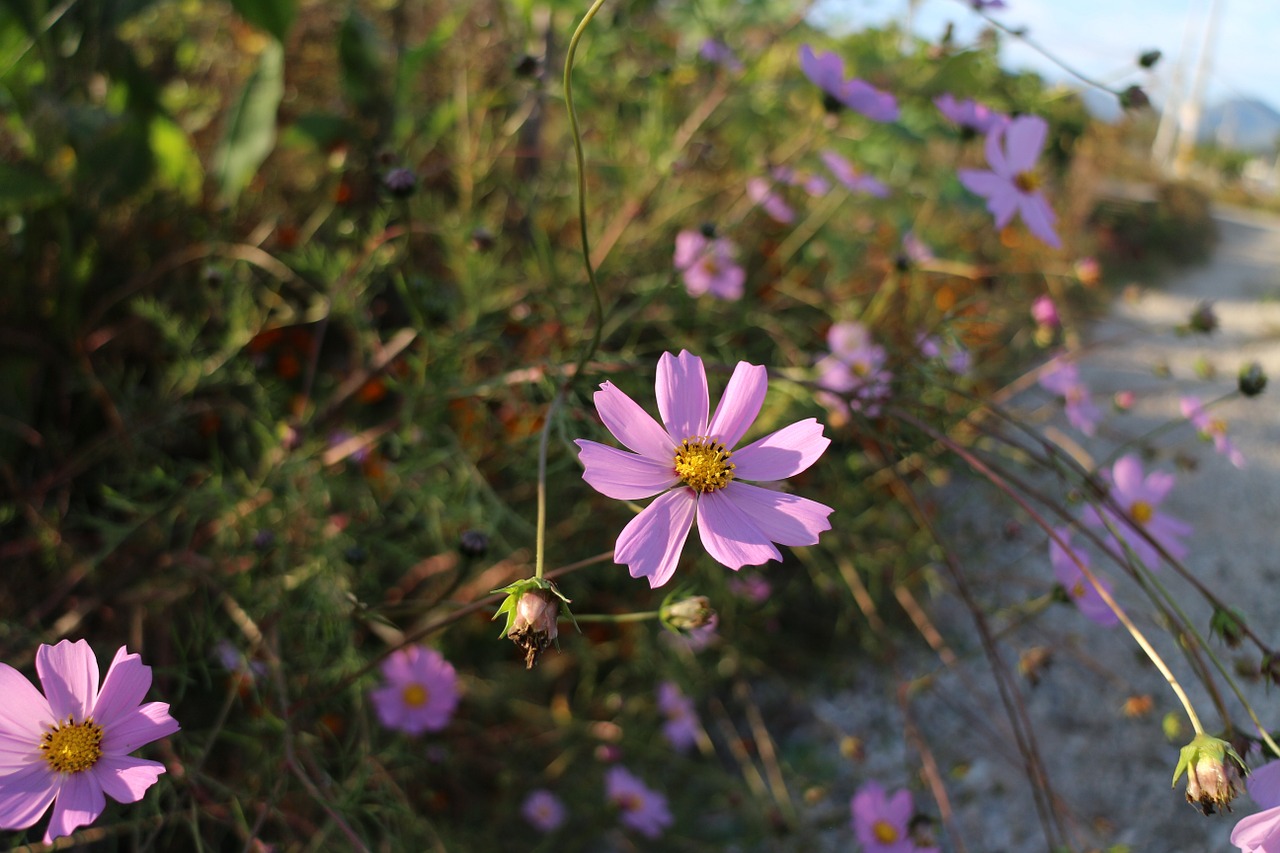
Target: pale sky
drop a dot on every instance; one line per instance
(1102, 38)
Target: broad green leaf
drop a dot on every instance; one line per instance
(24, 189)
(274, 16)
(177, 165)
(250, 134)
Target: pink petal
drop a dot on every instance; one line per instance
(1264, 785)
(982, 182)
(1127, 475)
(1257, 830)
(139, 726)
(649, 546)
(897, 810)
(632, 425)
(127, 681)
(69, 674)
(729, 534)
(785, 519)
(781, 454)
(126, 779)
(1024, 137)
(18, 751)
(23, 710)
(26, 794)
(621, 475)
(740, 403)
(994, 148)
(682, 395)
(1157, 486)
(1040, 218)
(689, 247)
(79, 803)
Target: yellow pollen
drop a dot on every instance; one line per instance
(1217, 426)
(414, 695)
(861, 369)
(702, 464)
(710, 265)
(71, 747)
(1141, 512)
(1027, 182)
(1077, 591)
(883, 832)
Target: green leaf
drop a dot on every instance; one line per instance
(274, 16)
(251, 128)
(177, 165)
(24, 189)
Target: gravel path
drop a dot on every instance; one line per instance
(1110, 771)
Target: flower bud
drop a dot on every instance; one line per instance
(1148, 58)
(1252, 379)
(400, 182)
(1203, 319)
(1229, 625)
(534, 628)
(1134, 98)
(687, 613)
(1213, 768)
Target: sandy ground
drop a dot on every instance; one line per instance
(1109, 771)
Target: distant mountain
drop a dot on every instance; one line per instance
(1242, 124)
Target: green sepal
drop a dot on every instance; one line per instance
(514, 592)
(1203, 744)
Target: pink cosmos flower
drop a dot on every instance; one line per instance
(681, 728)
(1044, 312)
(71, 746)
(1012, 185)
(881, 822)
(707, 265)
(969, 114)
(844, 172)
(686, 462)
(827, 73)
(1062, 377)
(1211, 429)
(1082, 593)
(761, 192)
(1138, 500)
(642, 808)
(854, 374)
(543, 810)
(1258, 833)
(421, 692)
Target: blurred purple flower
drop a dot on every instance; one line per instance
(969, 114)
(952, 354)
(681, 728)
(642, 808)
(685, 461)
(761, 192)
(719, 53)
(1138, 499)
(852, 180)
(827, 73)
(855, 370)
(1082, 593)
(70, 746)
(1044, 312)
(707, 265)
(1063, 378)
(1012, 185)
(1211, 429)
(915, 249)
(882, 823)
(751, 587)
(543, 810)
(421, 692)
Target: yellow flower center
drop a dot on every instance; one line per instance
(629, 802)
(702, 464)
(1077, 591)
(1141, 512)
(883, 832)
(1217, 426)
(711, 266)
(71, 747)
(414, 695)
(1027, 182)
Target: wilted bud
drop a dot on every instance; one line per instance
(1252, 380)
(686, 614)
(1227, 624)
(1213, 768)
(1203, 319)
(532, 607)
(400, 182)
(1134, 98)
(1148, 58)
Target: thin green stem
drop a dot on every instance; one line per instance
(643, 616)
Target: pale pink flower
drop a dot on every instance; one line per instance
(71, 746)
(827, 73)
(421, 692)
(1138, 500)
(707, 265)
(761, 192)
(1062, 377)
(969, 114)
(681, 727)
(641, 808)
(1258, 833)
(854, 373)
(1211, 429)
(1012, 184)
(1079, 589)
(543, 810)
(688, 461)
(852, 180)
(882, 823)
(1044, 312)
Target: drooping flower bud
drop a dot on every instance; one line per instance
(532, 607)
(1213, 770)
